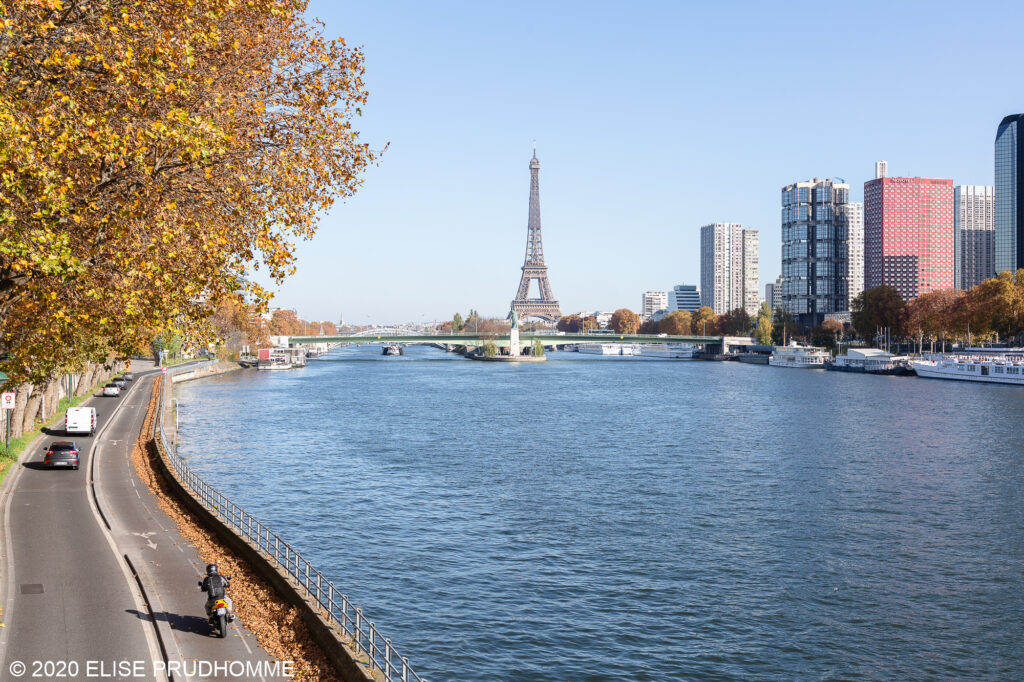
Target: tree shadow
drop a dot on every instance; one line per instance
(195, 625)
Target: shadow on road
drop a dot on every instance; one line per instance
(196, 625)
(39, 466)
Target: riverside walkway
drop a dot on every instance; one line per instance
(95, 580)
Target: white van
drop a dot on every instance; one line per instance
(80, 420)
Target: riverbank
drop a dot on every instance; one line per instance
(276, 624)
(221, 367)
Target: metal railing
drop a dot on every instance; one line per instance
(363, 635)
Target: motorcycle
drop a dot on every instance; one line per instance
(220, 616)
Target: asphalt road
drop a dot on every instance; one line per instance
(94, 578)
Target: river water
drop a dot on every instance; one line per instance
(623, 518)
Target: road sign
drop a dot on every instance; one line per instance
(7, 401)
(164, 370)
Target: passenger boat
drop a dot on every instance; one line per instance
(991, 369)
(280, 358)
(392, 349)
(870, 361)
(606, 348)
(666, 350)
(799, 357)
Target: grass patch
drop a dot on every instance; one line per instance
(9, 455)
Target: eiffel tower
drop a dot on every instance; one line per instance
(545, 307)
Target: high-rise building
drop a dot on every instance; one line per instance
(769, 292)
(1009, 195)
(776, 299)
(908, 234)
(729, 268)
(881, 169)
(814, 249)
(974, 225)
(684, 297)
(652, 302)
(853, 216)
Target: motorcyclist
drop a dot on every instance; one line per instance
(215, 585)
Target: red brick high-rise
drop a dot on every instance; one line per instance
(908, 234)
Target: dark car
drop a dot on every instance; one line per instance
(62, 453)
(119, 382)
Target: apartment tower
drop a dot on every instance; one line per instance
(729, 268)
(853, 216)
(974, 242)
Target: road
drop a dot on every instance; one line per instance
(95, 578)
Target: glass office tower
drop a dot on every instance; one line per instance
(1009, 206)
(815, 249)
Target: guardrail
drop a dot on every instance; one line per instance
(365, 637)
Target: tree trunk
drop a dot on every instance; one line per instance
(31, 410)
(18, 413)
(87, 380)
(51, 398)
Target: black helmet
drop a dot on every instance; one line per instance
(211, 569)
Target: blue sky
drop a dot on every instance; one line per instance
(651, 119)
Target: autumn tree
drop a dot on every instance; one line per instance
(285, 323)
(152, 154)
(785, 327)
(650, 326)
(624, 321)
(237, 324)
(827, 333)
(676, 323)
(933, 315)
(736, 322)
(878, 308)
(704, 322)
(764, 324)
(570, 324)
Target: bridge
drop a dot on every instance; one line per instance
(716, 344)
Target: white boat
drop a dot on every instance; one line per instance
(280, 358)
(1005, 369)
(666, 350)
(799, 357)
(870, 361)
(606, 348)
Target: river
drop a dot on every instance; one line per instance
(599, 518)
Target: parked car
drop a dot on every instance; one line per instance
(111, 389)
(119, 382)
(128, 376)
(61, 453)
